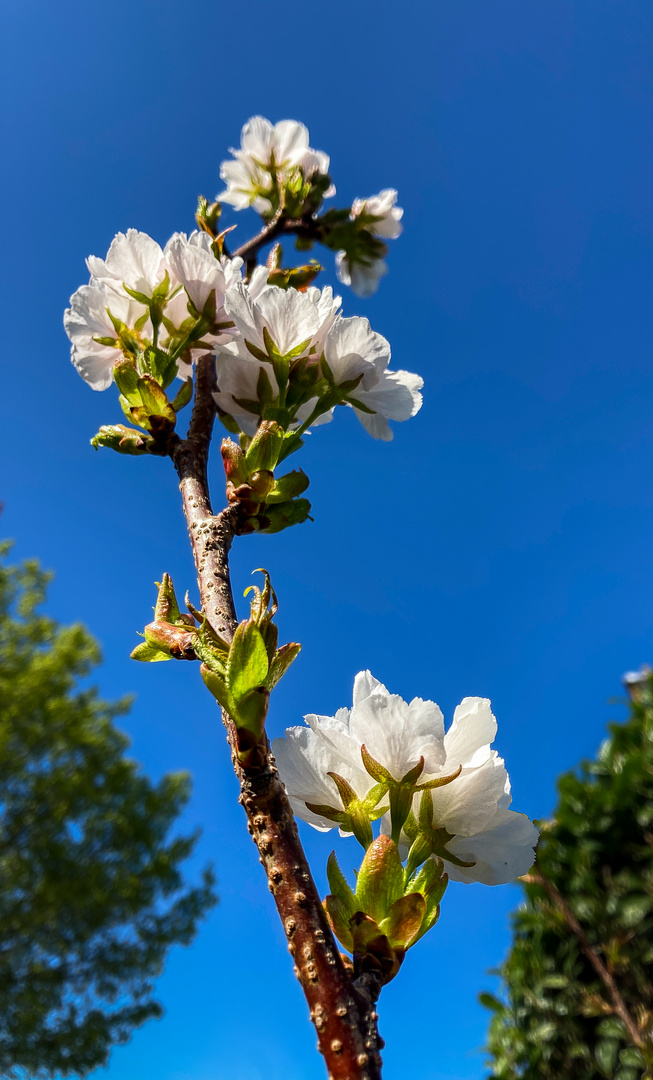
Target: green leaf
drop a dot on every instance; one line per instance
(605, 1054)
(149, 653)
(155, 401)
(338, 917)
(247, 666)
(184, 395)
(283, 658)
(126, 379)
(287, 487)
(339, 886)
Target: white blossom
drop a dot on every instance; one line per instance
(382, 207)
(472, 808)
(363, 275)
(268, 151)
(310, 321)
(134, 259)
(193, 263)
(351, 349)
(88, 318)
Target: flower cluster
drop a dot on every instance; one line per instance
(142, 295)
(362, 264)
(281, 354)
(294, 357)
(448, 794)
(276, 169)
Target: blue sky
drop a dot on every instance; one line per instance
(500, 546)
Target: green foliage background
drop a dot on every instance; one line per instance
(556, 1019)
(91, 892)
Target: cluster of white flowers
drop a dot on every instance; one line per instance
(100, 312)
(472, 808)
(308, 326)
(243, 318)
(381, 217)
(268, 155)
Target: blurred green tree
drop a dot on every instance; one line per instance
(577, 996)
(91, 894)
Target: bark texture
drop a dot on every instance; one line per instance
(341, 1008)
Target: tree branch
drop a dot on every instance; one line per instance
(279, 226)
(536, 877)
(342, 1010)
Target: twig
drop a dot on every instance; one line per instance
(279, 226)
(342, 1010)
(536, 877)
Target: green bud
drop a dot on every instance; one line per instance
(263, 451)
(233, 460)
(207, 216)
(124, 440)
(166, 607)
(380, 879)
(175, 640)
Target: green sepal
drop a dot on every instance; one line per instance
(297, 277)
(273, 351)
(380, 879)
(149, 653)
(247, 666)
(281, 661)
(404, 920)
(288, 487)
(123, 440)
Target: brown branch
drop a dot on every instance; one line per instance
(342, 1010)
(536, 877)
(279, 226)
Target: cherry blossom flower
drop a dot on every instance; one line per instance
(309, 325)
(268, 152)
(134, 259)
(380, 216)
(88, 319)
(470, 810)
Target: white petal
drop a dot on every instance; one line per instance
(396, 397)
(256, 138)
(501, 853)
(290, 142)
(134, 259)
(472, 731)
(468, 804)
(398, 734)
(352, 348)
